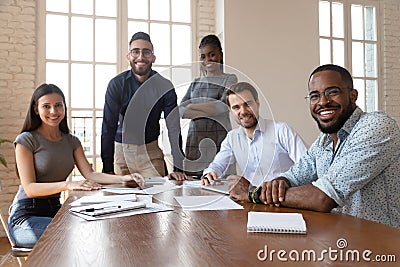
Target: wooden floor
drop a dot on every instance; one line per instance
(6, 260)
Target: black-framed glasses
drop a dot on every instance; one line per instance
(315, 97)
(135, 52)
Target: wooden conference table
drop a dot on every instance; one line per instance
(211, 238)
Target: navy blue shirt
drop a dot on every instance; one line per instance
(132, 112)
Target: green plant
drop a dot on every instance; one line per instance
(2, 159)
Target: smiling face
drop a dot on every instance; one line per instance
(141, 65)
(211, 57)
(331, 113)
(245, 109)
(51, 109)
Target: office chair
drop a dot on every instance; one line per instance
(19, 253)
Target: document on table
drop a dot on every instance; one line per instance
(86, 200)
(155, 189)
(122, 190)
(192, 203)
(143, 209)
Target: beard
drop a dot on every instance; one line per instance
(335, 127)
(250, 124)
(141, 71)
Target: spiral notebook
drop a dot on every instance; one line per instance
(274, 222)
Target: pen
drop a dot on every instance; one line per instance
(93, 209)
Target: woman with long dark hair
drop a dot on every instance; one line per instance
(46, 153)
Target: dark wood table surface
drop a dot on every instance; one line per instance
(211, 238)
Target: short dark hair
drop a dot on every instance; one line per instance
(240, 87)
(344, 73)
(33, 120)
(141, 36)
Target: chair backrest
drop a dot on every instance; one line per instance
(15, 251)
(5, 226)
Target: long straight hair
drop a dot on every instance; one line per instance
(33, 120)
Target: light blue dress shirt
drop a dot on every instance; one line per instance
(363, 175)
(274, 148)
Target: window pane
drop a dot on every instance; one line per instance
(338, 52)
(337, 20)
(181, 10)
(370, 24)
(160, 36)
(325, 51)
(56, 37)
(371, 95)
(82, 127)
(159, 9)
(57, 5)
(358, 59)
(81, 86)
(104, 73)
(57, 73)
(136, 26)
(181, 78)
(357, 29)
(359, 85)
(138, 9)
(106, 8)
(81, 38)
(181, 44)
(370, 60)
(163, 71)
(324, 18)
(82, 7)
(106, 40)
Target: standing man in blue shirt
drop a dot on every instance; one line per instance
(133, 105)
(353, 166)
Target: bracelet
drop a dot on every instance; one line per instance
(253, 195)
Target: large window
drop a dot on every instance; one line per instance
(349, 38)
(83, 45)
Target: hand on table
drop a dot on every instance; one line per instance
(238, 188)
(273, 192)
(134, 180)
(85, 185)
(209, 178)
(179, 176)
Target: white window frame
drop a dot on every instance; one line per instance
(348, 43)
(121, 64)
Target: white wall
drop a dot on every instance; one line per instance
(275, 43)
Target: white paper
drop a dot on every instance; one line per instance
(122, 190)
(156, 189)
(150, 208)
(155, 180)
(87, 200)
(192, 183)
(207, 203)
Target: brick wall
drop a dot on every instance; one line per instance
(17, 80)
(391, 58)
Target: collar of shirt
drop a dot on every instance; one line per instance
(348, 126)
(130, 75)
(260, 128)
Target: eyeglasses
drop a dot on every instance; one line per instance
(135, 52)
(329, 93)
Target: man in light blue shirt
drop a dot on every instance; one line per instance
(353, 166)
(262, 148)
